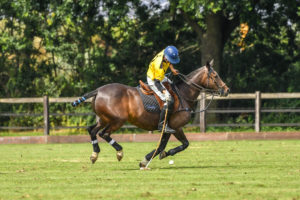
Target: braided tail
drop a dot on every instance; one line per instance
(85, 97)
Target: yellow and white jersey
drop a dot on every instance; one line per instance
(157, 68)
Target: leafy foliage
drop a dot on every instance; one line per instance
(66, 48)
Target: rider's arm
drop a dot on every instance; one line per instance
(174, 71)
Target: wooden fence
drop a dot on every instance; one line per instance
(257, 110)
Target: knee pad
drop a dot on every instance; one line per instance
(170, 102)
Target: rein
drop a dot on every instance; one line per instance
(196, 86)
(212, 97)
(190, 110)
(199, 88)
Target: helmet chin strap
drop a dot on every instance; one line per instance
(165, 59)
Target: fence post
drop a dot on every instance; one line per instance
(46, 115)
(257, 110)
(203, 113)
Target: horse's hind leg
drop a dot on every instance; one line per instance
(93, 130)
(164, 141)
(182, 138)
(105, 134)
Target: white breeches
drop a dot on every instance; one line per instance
(164, 97)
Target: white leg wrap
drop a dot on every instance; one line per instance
(112, 142)
(94, 141)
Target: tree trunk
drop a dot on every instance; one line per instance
(212, 48)
(212, 42)
(212, 39)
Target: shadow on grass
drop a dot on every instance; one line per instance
(195, 167)
(182, 167)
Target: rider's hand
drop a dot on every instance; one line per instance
(164, 91)
(175, 72)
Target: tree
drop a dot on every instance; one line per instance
(215, 21)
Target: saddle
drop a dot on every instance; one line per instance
(145, 89)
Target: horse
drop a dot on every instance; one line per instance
(115, 103)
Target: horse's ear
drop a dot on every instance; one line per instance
(208, 65)
(211, 63)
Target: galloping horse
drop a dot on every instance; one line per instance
(114, 104)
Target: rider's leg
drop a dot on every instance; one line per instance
(168, 104)
(165, 114)
(165, 117)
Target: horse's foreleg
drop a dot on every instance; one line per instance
(164, 141)
(185, 143)
(106, 136)
(93, 134)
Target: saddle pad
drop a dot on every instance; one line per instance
(149, 101)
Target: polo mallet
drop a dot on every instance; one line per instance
(162, 132)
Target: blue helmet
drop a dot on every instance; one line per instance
(171, 53)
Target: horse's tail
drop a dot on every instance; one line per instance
(85, 97)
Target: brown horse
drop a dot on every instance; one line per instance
(114, 104)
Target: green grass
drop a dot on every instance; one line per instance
(206, 170)
(64, 132)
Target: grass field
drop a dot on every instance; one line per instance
(206, 170)
(64, 132)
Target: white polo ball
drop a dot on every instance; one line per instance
(171, 162)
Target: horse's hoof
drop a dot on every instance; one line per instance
(143, 163)
(120, 155)
(162, 155)
(94, 157)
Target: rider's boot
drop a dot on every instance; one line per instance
(162, 119)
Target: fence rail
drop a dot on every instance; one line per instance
(257, 110)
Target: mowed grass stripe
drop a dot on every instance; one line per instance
(206, 170)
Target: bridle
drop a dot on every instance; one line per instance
(200, 88)
(214, 80)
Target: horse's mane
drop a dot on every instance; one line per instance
(193, 73)
(189, 76)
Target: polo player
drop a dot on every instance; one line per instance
(156, 75)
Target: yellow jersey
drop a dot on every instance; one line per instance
(157, 68)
